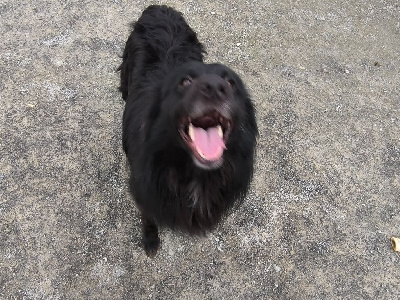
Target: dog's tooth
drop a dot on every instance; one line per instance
(190, 131)
(201, 153)
(220, 132)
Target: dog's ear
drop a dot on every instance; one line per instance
(153, 113)
(126, 69)
(155, 108)
(250, 116)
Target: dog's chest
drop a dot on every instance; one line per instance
(195, 192)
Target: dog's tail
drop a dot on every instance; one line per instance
(160, 40)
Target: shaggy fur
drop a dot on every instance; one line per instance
(189, 129)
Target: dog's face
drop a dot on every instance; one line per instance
(207, 104)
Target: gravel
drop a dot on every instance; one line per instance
(324, 203)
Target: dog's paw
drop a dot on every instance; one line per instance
(151, 246)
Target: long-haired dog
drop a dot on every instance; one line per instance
(189, 129)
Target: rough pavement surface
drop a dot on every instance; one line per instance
(324, 203)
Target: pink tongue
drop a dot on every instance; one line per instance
(208, 142)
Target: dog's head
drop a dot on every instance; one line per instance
(209, 105)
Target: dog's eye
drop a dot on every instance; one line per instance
(230, 82)
(186, 82)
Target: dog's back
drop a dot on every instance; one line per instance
(160, 40)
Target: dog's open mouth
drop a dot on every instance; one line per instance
(206, 136)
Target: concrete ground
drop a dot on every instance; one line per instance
(324, 203)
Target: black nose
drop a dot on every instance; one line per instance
(213, 86)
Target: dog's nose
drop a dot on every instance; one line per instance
(214, 86)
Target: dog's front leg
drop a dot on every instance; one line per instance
(150, 239)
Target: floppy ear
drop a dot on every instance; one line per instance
(153, 113)
(250, 116)
(126, 68)
(250, 120)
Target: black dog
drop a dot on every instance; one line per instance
(189, 129)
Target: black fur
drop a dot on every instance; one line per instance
(167, 87)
